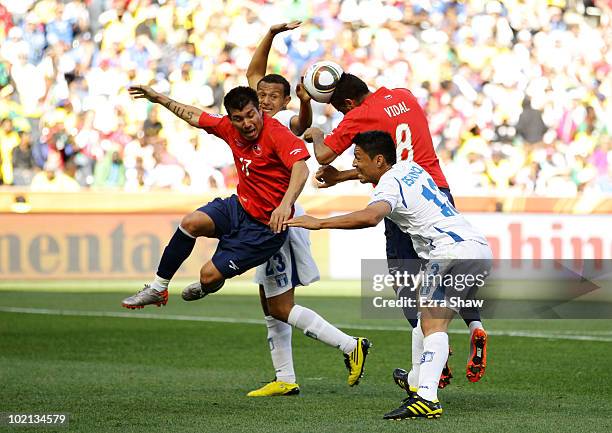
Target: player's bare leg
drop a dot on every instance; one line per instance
(176, 252)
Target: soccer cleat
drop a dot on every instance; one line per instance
(477, 362)
(194, 291)
(416, 407)
(147, 296)
(400, 376)
(275, 388)
(355, 361)
(447, 374)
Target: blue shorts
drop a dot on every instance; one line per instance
(399, 244)
(244, 242)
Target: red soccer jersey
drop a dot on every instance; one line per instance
(263, 166)
(398, 113)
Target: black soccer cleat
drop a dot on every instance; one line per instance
(416, 407)
(400, 377)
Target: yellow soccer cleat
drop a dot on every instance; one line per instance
(275, 388)
(355, 361)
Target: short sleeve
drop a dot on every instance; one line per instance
(387, 190)
(284, 117)
(289, 148)
(213, 123)
(341, 138)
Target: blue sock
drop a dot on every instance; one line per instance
(175, 253)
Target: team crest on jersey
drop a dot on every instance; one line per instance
(256, 149)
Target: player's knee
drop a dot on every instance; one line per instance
(280, 311)
(430, 326)
(198, 224)
(190, 224)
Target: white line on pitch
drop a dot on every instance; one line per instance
(139, 315)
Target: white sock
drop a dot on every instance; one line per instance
(279, 340)
(417, 352)
(475, 325)
(435, 354)
(314, 326)
(160, 284)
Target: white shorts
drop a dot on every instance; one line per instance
(291, 266)
(454, 274)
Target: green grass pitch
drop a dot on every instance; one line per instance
(121, 374)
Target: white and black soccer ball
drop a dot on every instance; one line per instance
(320, 80)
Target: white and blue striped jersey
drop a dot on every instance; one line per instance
(421, 210)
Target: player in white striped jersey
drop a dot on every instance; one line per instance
(406, 194)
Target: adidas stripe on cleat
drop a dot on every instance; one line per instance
(416, 407)
(400, 377)
(146, 296)
(355, 361)
(477, 362)
(275, 388)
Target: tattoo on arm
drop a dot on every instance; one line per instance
(179, 110)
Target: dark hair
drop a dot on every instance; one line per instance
(239, 97)
(348, 87)
(277, 79)
(377, 143)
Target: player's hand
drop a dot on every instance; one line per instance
(279, 217)
(283, 27)
(327, 176)
(310, 133)
(305, 221)
(139, 92)
(301, 93)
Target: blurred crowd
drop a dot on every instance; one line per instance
(517, 91)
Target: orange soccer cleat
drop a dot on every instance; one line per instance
(477, 362)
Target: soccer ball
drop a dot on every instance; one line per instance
(320, 80)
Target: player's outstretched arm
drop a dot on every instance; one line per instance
(280, 215)
(188, 113)
(330, 176)
(323, 153)
(301, 122)
(259, 62)
(368, 217)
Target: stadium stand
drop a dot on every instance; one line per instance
(517, 92)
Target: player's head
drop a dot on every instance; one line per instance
(374, 155)
(273, 92)
(242, 108)
(349, 93)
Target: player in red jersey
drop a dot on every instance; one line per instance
(271, 174)
(397, 112)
